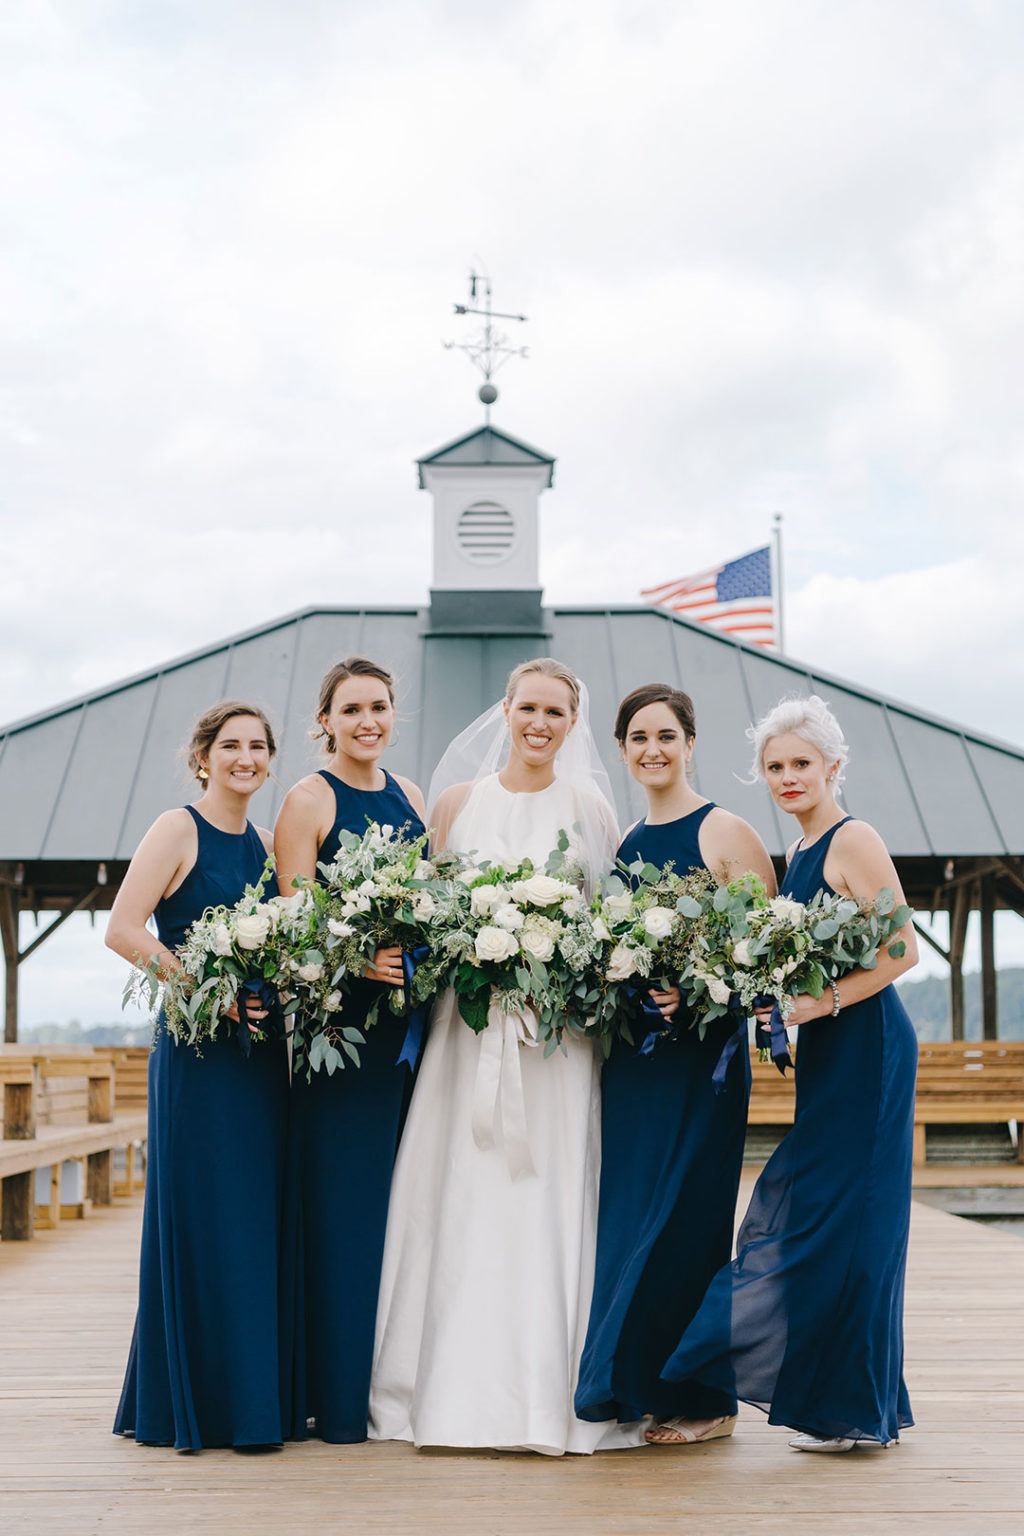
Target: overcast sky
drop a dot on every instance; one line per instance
(771, 253)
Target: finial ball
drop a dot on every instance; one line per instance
(488, 394)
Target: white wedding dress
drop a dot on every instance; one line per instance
(489, 1257)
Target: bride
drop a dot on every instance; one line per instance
(489, 1256)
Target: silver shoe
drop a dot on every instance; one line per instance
(821, 1443)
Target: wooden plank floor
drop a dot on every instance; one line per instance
(66, 1308)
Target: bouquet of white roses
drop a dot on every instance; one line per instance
(378, 892)
(523, 942)
(242, 956)
(645, 935)
(754, 950)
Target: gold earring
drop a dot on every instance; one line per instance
(202, 775)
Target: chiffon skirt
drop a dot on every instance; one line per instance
(807, 1321)
(204, 1363)
(672, 1150)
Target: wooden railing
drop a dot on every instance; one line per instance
(961, 1082)
(67, 1110)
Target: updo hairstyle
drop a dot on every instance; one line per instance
(809, 718)
(208, 727)
(547, 667)
(352, 666)
(678, 702)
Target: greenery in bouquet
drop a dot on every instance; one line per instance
(523, 941)
(379, 892)
(645, 920)
(240, 955)
(752, 948)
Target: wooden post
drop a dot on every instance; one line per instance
(960, 912)
(99, 1178)
(989, 1000)
(17, 1220)
(9, 935)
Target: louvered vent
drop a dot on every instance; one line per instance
(486, 533)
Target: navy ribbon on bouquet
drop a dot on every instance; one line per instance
(732, 1044)
(254, 993)
(413, 1043)
(773, 1035)
(650, 1010)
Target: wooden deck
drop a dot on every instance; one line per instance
(66, 1308)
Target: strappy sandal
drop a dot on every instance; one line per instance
(681, 1434)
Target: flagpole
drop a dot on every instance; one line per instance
(777, 549)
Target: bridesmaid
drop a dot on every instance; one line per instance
(345, 1127)
(672, 1140)
(808, 1319)
(203, 1369)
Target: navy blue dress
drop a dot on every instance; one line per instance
(343, 1138)
(671, 1153)
(808, 1319)
(204, 1367)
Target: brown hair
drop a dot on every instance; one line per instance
(352, 666)
(209, 725)
(678, 702)
(548, 667)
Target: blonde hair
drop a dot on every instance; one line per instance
(352, 666)
(810, 718)
(209, 726)
(547, 666)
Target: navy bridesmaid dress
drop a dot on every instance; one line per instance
(343, 1138)
(204, 1365)
(808, 1319)
(671, 1152)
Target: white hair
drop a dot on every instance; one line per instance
(809, 718)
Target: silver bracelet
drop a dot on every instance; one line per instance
(836, 1005)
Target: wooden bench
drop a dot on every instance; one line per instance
(960, 1082)
(59, 1110)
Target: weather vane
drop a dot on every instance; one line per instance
(488, 349)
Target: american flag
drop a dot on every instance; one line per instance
(735, 597)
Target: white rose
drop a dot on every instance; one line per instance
(509, 917)
(423, 905)
(251, 929)
(787, 911)
(600, 928)
(619, 907)
(339, 929)
(424, 870)
(291, 906)
(658, 922)
(333, 1000)
(311, 971)
(621, 963)
(469, 874)
(495, 944)
(719, 991)
(574, 904)
(484, 899)
(540, 942)
(778, 975)
(741, 952)
(544, 890)
(220, 940)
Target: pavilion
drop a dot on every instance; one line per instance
(81, 782)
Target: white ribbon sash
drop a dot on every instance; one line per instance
(499, 1086)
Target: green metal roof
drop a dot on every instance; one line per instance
(487, 445)
(85, 779)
